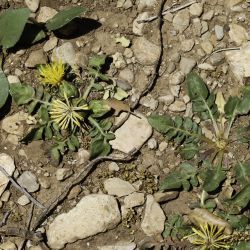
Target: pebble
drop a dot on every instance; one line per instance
(132, 134)
(175, 57)
(63, 173)
(118, 187)
(186, 99)
(8, 245)
(187, 64)
(152, 143)
(74, 192)
(171, 67)
(127, 75)
(154, 218)
(177, 106)
(219, 32)
(181, 20)
(44, 182)
(208, 15)
(187, 45)
(82, 156)
(118, 60)
(45, 14)
(146, 4)
(32, 4)
(134, 200)
(175, 90)
(207, 47)
(13, 79)
(128, 53)
(149, 102)
(18, 72)
(145, 52)
(35, 58)
(196, 9)
(94, 214)
(217, 58)
(237, 34)
(166, 99)
(113, 167)
(206, 66)
(165, 196)
(5, 196)
(123, 84)
(119, 246)
(176, 78)
(127, 5)
(163, 146)
(50, 44)
(137, 26)
(29, 181)
(23, 200)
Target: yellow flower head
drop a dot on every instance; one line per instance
(209, 237)
(52, 73)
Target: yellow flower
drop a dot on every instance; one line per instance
(63, 113)
(209, 237)
(52, 73)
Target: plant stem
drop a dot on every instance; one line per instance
(227, 132)
(95, 124)
(42, 102)
(88, 89)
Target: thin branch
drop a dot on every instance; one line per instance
(20, 188)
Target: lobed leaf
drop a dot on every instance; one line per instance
(242, 171)
(21, 93)
(4, 89)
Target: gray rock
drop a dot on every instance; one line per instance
(207, 47)
(82, 156)
(165, 196)
(177, 78)
(181, 20)
(238, 34)
(149, 102)
(128, 4)
(50, 44)
(206, 66)
(65, 53)
(13, 79)
(32, 4)
(138, 27)
(119, 246)
(208, 15)
(45, 14)
(132, 134)
(94, 214)
(145, 52)
(145, 4)
(154, 218)
(29, 181)
(123, 84)
(152, 143)
(175, 57)
(196, 9)
(171, 67)
(118, 187)
(232, 5)
(187, 45)
(187, 64)
(36, 57)
(113, 167)
(63, 173)
(175, 90)
(204, 27)
(216, 59)
(23, 200)
(134, 200)
(177, 106)
(127, 75)
(197, 27)
(8, 245)
(166, 99)
(119, 61)
(219, 32)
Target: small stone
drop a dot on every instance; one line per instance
(177, 106)
(18, 72)
(177, 78)
(13, 79)
(237, 34)
(119, 246)
(63, 173)
(171, 67)
(5, 196)
(166, 196)
(196, 9)
(127, 5)
(145, 52)
(32, 4)
(82, 156)
(134, 200)
(197, 27)
(8, 245)
(146, 4)
(44, 182)
(187, 45)
(118, 60)
(50, 44)
(181, 20)
(45, 14)
(154, 218)
(175, 90)
(120, 3)
(207, 47)
(186, 99)
(175, 57)
(163, 146)
(35, 58)
(166, 99)
(186, 65)
(137, 26)
(127, 75)
(29, 181)
(13, 139)
(206, 66)
(123, 84)
(74, 192)
(118, 187)
(113, 167)
(149, 102)
(23, 200)
(219, 32)
(152, 143)
(208, 15)
(128, 53)
(217, 58)
(204, 27)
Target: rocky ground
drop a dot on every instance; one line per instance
(118, 206)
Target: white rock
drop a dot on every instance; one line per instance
(94, 214)
(166, 196)
(152, 143)
(206, 66)
(177, 78)
(29, 181)
(207, 47)
(82, 156)
(138, 27)
(63, 173)
(208, 15)
(134, 200)
(149, 102)
(23, 200)
(187, 45)
(113, 167)
(120, 3)
(145, 52)
(132, 134)
(219, 32)
(119, 61)
(45, 14)
(118, 187)
(50, 44)
(8, 245)
(154, 218)
(7, 163)
(13, 124)
(13, 79)
(119, 246)
(163, 146)
(127, 75)
(32, 4)
(177, 106)
(175, 90)
(65, 53)
(237, 34)
(36, 57)
(186, 65)
(196, 9)
(5, 196)
(181, 20)
(128, 4)
(146, 3)
(166, 99)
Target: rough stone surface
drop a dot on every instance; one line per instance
(36, 57)
(32, 4)
(132, 134)
(8, 245)
(181, 20)
(119, 246)
(118, 187)
(23, 200)
(93, 214)
(219, 32)
(29, 181)
(196, 9)
(177, 78)
(127, 75)
(216, 59)
(237, 34)
(134, 200)
(166, 196)
(13, 79)
(145, 4)
(82, 156)
(166, 99)
(119, 61)
(7, 163)
(187, 45)
(50, 44)
(45, 14)
(63, 173)
(154, 218)
(138, 27)
(145, 52)
(207, 47)
(177, 106)
(187, 64)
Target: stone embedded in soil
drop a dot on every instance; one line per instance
(118, 60)
(149, 102)
(206, 66)
(94, 214)
(207, 47)
(63, 173)
(119, 246)
(177, 78)
(165, 196)
(82, 156)
(134, 200)
(118, 187)
(127, 75)
(65, 53)
(154, 218)
(7, 163)
(50, 44)
(32, 4)
(45, 14)
(35, 58)
(196, 9)
(216, 59)
(232, 4)
(238, 34)
(28, 181)
(208, 15)
(187, 64)
(177, 106)
(166, 99)
(181, 20)
(219, 32)
(23, 200)
(146, 53)
(137, 26)
(187, 45)
(132, 134)
(8, 245)
(145, 4)
(13, 79)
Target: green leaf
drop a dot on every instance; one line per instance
(39, 92)
(69, 89)
(242, 245)
(48, 133)
(231, 106)
(63, 17)
(43, 114)
(214, 176)
(172, 181)
(99, 107)
(74, 140)
(243, 134)
(120, 94)
(21, 93)
(97, 61)
(189, 151)
(244, 105)
(55, 154)
(96, 74)
(4, 89)
(161, 123)
(12, 23)
(99, 147)
(242, 171)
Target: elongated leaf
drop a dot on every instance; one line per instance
(99, 107)
(12, 23)
(97, 61)
(63, 17)
(242, 171)
(242, 245)
(231, 106)
(189, 151)
(4, 89)
(99, 147)
(21, 93)
(172, 181)
(243, 134)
